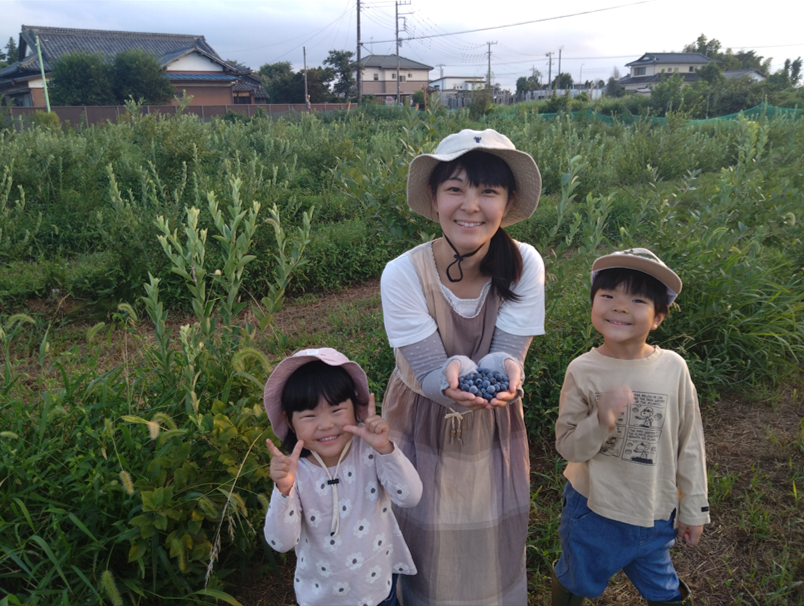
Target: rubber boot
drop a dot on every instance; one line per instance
(686, 597)
(562, 597)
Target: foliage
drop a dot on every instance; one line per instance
(137, 74)
(343, 66)
(146, 482)
(283, 86)
(562, 81)
(81, 78)
(150, 478)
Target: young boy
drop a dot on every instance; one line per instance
(630, 428)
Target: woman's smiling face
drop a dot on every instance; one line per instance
(469, 215)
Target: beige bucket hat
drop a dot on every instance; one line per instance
(641, 259)
(272, 397)
(526, 173)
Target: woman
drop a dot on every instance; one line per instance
(474, 298)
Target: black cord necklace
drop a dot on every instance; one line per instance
(458, 258)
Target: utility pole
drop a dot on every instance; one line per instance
(580, 78)
(550, 69)
(42, 68)
(489, 80)
(306, 96)
(398, 44)
(359, 65)
(558, 79)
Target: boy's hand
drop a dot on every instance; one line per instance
(690, 534)
(611, 404)
(375, 430)
(283, 467)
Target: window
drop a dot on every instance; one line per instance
(410, 75)
(639, 71)
(692, 69)
(401, 78)
(393, 75)
(376, 76)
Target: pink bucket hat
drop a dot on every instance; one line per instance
(272, 397)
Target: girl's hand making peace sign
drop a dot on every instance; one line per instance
(375, 430)
(283, 467)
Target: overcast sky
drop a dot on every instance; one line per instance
(257, 32)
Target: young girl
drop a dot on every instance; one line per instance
(332, 495)
(474, 297)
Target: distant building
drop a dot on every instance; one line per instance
(189, 62)
(456, 91)
(754, 74)
(378, 76)
(650, 68)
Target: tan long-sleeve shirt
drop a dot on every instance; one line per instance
(654, 460)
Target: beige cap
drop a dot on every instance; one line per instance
(641, 259)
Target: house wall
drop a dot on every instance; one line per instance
(656, 68)
(194, 63)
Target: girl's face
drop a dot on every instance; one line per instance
(469, 215)
(322, 429)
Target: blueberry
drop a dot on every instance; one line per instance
(473, 389)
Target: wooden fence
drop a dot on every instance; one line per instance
(91, 115)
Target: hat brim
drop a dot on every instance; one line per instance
(272, 396)
(523, 166)
(664, 274)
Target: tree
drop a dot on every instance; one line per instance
(667, 95)
(239, 66)
(341, 62)
(795, 72)
(12, 52)
(563, 81)
(81, 78)
(711, 73)
(708, 48)
(137, 73)
(284, 86)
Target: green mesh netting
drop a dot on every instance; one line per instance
(763, 109)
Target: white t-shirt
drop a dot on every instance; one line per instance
(407, 320)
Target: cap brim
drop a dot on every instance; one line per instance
(664, 274)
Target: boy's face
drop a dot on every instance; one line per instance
(625, 320)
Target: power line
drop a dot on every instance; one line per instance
(485, 29)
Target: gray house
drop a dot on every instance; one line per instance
(648, 69)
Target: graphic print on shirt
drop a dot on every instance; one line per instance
(638, 429)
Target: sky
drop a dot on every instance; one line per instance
(592, 45)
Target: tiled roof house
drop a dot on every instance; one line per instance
(189, 62)
(648, 69)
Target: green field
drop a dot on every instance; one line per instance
(144, 272)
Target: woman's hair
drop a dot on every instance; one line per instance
(503, 261)
(307, 385)
(634, 282)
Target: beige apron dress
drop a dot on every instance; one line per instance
(467, 534)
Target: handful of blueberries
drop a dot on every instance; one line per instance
(484, 383)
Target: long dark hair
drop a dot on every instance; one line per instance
(503, 261)
(307, 385)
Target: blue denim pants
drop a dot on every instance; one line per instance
(391, 600)
(595, 548)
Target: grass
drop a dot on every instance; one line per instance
(130, 435)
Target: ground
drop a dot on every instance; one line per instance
(751, 553)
